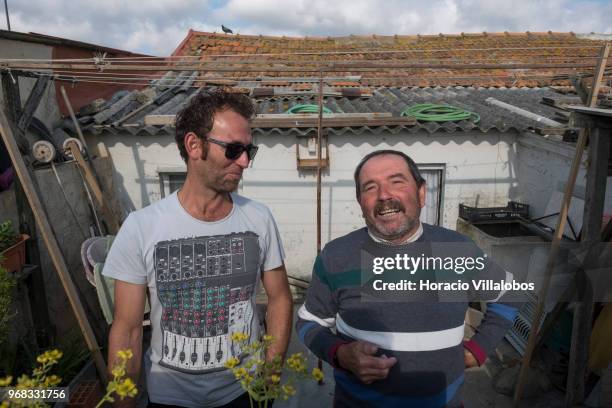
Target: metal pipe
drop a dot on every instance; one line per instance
(319, 138)
(524, 113)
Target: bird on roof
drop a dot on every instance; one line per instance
(226, 30)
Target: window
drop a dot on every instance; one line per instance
(434, 179)
(170, 181)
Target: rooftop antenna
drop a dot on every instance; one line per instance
(8, 20)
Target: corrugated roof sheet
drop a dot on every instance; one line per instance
(128, 110)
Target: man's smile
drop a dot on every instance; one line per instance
(388, 209)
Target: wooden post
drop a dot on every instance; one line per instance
(92, 182)
(599, 148)
(555, 245)
(552, 257)
(74, 120)
(51, 243)
(27, 222)
(12, 103)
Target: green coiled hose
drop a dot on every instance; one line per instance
(307, 109)
(429, 112)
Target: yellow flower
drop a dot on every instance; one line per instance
(6, 381)
(239, 337)
(275, 378)
(125, 354)
(248, 379)
(52, 381)
(240, 372)
(267, 338)
(118, 371)
(288, 390)
(25, 382)
(50, 356)
(317, 374)
(126, 389)
(296, 362)
(232, 362)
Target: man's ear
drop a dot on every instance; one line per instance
(422, 195)
(194, 146)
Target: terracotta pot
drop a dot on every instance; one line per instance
(14, 256)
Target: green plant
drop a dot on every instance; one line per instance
(7, 286)
(261, 378)
(120, 385)
(75, 355)
(8, 237)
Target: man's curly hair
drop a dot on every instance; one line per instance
(198, 115)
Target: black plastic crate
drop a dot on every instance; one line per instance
(512, 211)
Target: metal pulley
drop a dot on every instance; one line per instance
(66, 146)
(43, 151)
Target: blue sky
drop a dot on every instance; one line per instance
(157, 26)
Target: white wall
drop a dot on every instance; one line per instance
(478, 169)
(543, 167)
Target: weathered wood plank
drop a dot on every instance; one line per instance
(32, 103)
(51, 243)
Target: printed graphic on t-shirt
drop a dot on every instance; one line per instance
(205, 285)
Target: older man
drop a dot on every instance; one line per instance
(387, 352)
(202, 253)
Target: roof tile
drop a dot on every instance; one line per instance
(464, 48)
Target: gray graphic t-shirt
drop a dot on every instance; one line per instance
(202, 278)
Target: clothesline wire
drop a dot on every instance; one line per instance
(338, 52)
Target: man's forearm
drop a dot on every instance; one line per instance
(278, 320)
(122, 338)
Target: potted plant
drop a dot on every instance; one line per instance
(7, 294)
(12, 247)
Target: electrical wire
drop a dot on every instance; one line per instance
(313, 53)
(429, 112)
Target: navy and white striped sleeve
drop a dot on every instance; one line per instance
(317, 316)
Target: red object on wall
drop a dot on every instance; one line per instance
(83, 93)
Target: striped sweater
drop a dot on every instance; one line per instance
(426, 336)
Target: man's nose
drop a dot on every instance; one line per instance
(243, 160)
(384, 193)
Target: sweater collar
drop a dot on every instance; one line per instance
(417, 234)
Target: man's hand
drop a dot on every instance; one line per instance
(469, 359)
(358, 358)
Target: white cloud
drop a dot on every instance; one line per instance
(158, 26)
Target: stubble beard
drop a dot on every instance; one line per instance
(391, 233)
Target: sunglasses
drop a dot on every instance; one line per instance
(234, 150)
